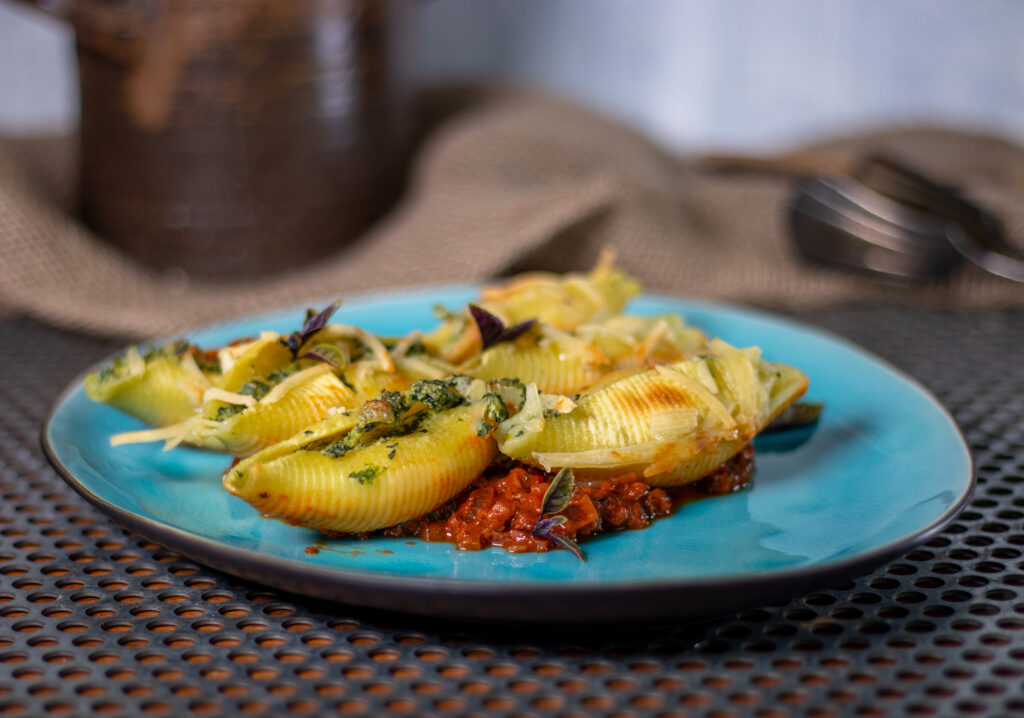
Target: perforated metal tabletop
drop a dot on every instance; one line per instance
(97, 621)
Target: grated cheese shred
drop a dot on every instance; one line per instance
(296, 379)
(375, 345)
(136, 364)
(215, 394)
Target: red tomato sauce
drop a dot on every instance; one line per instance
(501, 510)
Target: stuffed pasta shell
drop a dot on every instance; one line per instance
(563, 301)
(162, 386)
(560, 362)
(269, 388)
(670, 424)
(394, 459)
(246, 422)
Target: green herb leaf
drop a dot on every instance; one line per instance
(227, 411)
(395, 413)
(511, 391)
(556, 500)
(367, 475)
(436, 394)
(254, 388)
(495, 411)
(559, 493)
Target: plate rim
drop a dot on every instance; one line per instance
(281, 572)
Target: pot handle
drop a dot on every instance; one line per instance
(113, 28)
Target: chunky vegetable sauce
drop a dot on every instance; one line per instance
(502, 510)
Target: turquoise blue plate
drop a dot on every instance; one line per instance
(884, 468)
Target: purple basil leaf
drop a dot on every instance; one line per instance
(568, 544)
(493, 330)
(291, 343)
(327, 353)
(490, 326)
(513, 332)
(314, 322)
(559, 493)
(543, 527)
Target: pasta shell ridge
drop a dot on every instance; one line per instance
(267, 423)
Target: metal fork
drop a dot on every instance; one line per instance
(890, 220)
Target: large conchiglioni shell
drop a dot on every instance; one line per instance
(266, 423)
(254, 360)
(165, 392)
(562, 363)
(390, 481)
(670, 424)
(553, 369)
(563, 301)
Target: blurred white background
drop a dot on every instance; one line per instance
(697, 75)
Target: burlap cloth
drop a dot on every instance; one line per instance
(514, 181)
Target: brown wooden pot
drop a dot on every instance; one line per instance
(238, 136)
